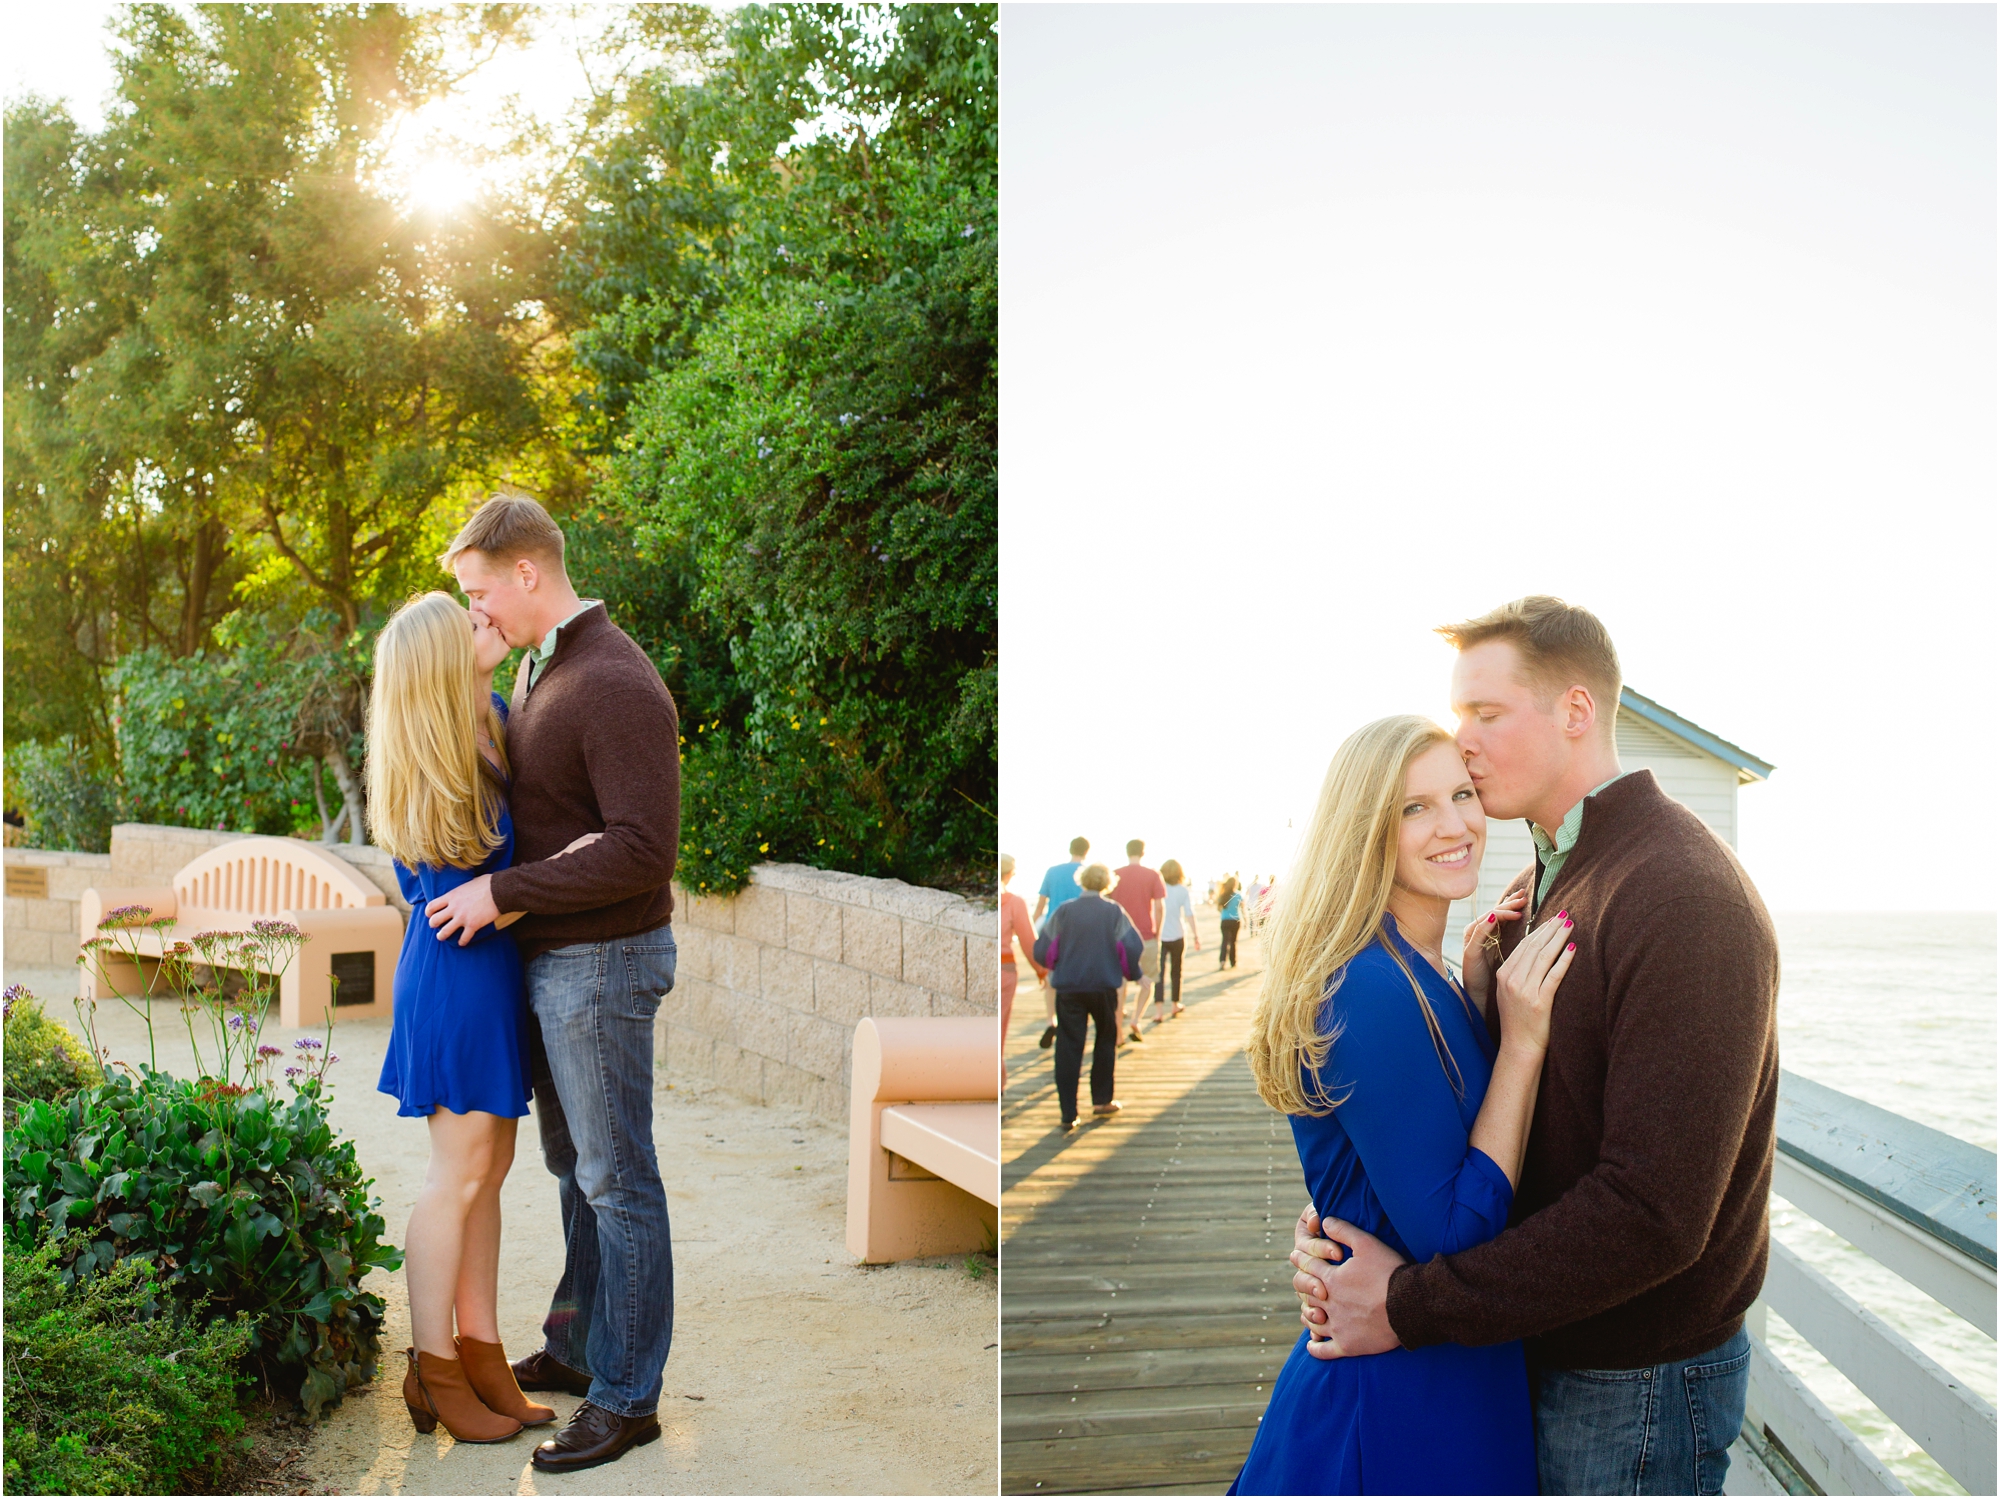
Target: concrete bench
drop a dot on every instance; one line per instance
(923, 1162)
(352, 930)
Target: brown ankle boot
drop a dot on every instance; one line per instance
(492, 1379)
(435, 1389)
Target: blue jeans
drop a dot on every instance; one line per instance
(613, 1310)
(1659, 1430)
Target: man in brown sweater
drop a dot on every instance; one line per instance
(593, 741)
(1640, 1228)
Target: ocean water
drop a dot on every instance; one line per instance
(1898, 1010)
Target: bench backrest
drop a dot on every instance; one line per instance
(264, 876)
(945, 1058)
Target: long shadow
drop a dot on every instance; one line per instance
(1147, 1308)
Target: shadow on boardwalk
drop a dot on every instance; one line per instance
(1146, 1303)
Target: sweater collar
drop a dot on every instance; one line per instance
(1616, 809)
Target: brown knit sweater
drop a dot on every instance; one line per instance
(1641, 1226)
(595, 748)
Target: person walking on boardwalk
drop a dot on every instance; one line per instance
(1059, 888)
(1140, 893)
(596, 744)
(1090, 949)
(1408, 1116)
(1641, 1222)
(1177, 925)
(1015, 931)
(1229, 905)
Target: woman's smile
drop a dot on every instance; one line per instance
(1452, 858)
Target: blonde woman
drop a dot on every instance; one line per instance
(1177, 925)
(1410, 1093)
(458, 1047)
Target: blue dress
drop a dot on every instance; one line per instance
(459, 1039)
(1394, 1160)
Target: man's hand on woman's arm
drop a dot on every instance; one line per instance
(468, 908)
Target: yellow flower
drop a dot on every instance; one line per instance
(763, 848)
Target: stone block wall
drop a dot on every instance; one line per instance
(771, 981)
(41, 931)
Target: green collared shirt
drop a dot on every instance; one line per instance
(1554, 853)
(539, 657)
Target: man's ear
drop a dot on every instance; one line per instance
(1580, 712)
(528, 574)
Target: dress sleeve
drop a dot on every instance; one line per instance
(1441, 1193)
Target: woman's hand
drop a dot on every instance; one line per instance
(1528, 980)
(1482, 944)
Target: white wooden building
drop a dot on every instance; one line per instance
(1694, 767)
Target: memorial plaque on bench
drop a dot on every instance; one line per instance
(354, 978)
(29, 883)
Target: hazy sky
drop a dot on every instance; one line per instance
(63, 52)
(1324, 326)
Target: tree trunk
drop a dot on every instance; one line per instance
(207, 559)
(350, 792)
(329, 827)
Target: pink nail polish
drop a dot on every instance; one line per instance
(1570, 948)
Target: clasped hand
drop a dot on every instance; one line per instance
(1343, 1284)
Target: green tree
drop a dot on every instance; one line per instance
(817, 435)
(232, 356)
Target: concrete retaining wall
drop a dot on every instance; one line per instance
(41, 931)
(772, 980)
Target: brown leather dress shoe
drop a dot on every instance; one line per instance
(594, 1435)
(541, 1371)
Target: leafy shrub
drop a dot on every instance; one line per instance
(105, 1393)
(206, 741)
(816, 449)
(241, 1201)
(225, 1194)
(43, 1060)
(69, 797)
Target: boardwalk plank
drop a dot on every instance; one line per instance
(1146, 1304)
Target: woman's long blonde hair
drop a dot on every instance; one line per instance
(429, 800)
(1334, 901)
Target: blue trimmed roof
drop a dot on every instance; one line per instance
(1748, 766)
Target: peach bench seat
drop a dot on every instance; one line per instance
(347, 921)
(923, 1165)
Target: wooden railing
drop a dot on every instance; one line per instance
(1921, 1204)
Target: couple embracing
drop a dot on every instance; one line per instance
(535, 842)
(1539, 1183)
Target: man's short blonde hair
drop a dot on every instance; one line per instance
(507, 528)
(1560, 645)
(1095, 877)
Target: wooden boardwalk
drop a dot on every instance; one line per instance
(1146, 1304)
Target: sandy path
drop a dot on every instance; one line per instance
(815, 1375)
